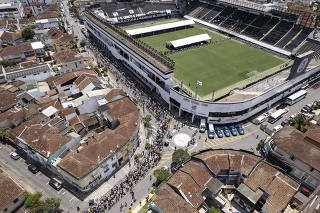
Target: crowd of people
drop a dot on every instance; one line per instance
(150, 157)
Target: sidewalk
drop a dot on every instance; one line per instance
(143, 202)
(120, 175)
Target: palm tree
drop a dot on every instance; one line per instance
(299, 122)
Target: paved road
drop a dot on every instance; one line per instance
(18, 170)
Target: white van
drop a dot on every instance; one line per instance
(203, 125)
(259, 120)
(277, 128)
(210, 130)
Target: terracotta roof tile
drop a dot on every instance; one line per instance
(8, 100)
(9, 191)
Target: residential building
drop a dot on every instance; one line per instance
(11, 196)
(47, 23)
(17, 53)
(102, 154)
(43, 138)
(230, 180)
(68, 61)
(11, 9)
(33, 72)
(11, 38)
(298, 153)
(8, 100)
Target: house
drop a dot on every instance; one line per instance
(101, 154)
(32, 72)
(11, 38)
(68, 61)
(231, 180)
(11, 9)
(38, 48)
(36, 7)
(17, 53)
(8, 100)
(298, 153)
(42, 137)
(47, 23)
(88, 82)
(11, 196)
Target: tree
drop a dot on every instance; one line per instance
(29, 15)
(147, 120)
(214, 210)
(51, 205)
(33, 201)
(83, 43)
(299, 122)
(28, 33)
(3, 133)
(180, 156)
(162, 175)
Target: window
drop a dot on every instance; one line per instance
(292, 158)
(114, 165)
(311, 170)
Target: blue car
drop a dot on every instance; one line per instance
(233, 130)
(226, 131)
(240, 129)
(219, 132)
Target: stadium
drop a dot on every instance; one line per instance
(223, 60)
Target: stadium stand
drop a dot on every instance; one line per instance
(278, 32)
(119, 9)
(283, 28)
(289, 36)
(307, 46)
(300, 37)
(215, 10)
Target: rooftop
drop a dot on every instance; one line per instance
(101, 145)
(131, 43)
(294, 142)
(8, 100)
(194, 177)
(9, 190)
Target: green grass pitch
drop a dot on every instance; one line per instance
(159, 41)
(218, 65)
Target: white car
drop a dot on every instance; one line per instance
(277, 128)
(14, 155)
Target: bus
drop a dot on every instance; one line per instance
(296, 97)
(277, 115)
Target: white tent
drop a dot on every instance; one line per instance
(160, 27)
(190, 40)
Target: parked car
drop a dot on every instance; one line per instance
(277, 128)
(226, 131)
(14, 155)
(233, 130)
(56, 184)
(306, 109)
(240, 129)
(210, 130)
(203, 125)
(219, 132)
(281, 106)
(285, 122)
(33, 169)
(174, 167)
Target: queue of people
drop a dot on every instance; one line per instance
(150, 157)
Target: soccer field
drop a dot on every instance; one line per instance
(220, 65)
(159, 41)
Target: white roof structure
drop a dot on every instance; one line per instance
(190, 40)
(160, 27)
(37, 45)
(49, 111)
(44, 21)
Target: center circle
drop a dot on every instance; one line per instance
(181, 139)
